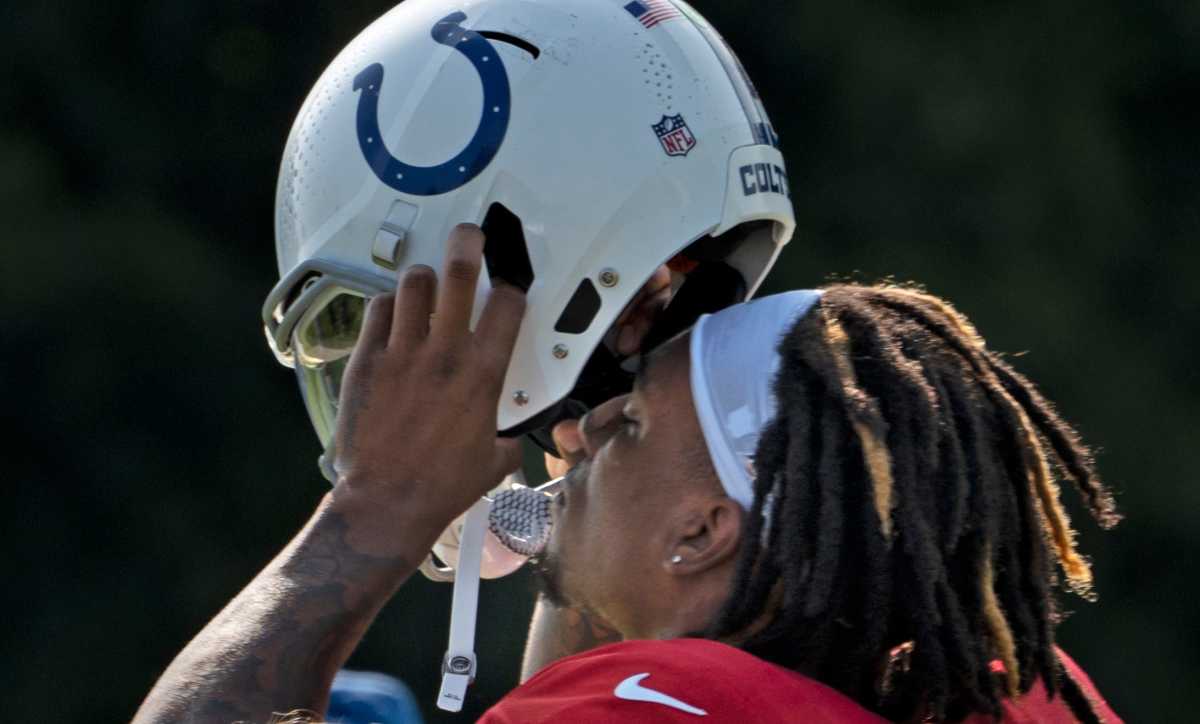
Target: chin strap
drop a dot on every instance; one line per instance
(459, 665)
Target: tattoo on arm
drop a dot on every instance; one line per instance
(555, 633)
(278, 644)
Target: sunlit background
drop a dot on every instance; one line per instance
(1036, 162)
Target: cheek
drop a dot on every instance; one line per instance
(611, 514)
(622, 507)
(596, 513)
(618, 471)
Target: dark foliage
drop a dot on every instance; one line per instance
(1035, 162)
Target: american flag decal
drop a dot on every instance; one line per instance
(652, 12)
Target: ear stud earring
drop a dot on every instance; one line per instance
(676, 558)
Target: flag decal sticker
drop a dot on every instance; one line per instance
(652, 12)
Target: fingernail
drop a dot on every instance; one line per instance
(467, 234)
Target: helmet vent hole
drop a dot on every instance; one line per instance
(577, 316)
(521, 43)
(504, 249)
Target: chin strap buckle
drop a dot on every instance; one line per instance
(458, 672)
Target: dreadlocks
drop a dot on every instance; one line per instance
(905, 514)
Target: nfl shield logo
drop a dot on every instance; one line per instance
(674, 135)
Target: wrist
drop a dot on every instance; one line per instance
(388, 526)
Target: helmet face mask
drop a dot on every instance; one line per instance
(590, 147)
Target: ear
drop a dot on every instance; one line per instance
(705, 535)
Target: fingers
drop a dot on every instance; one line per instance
(508, 455)
(425, 305)
(555, 467)
(414, 303)
(498, 327)
(456, 292)
(569, 441)
(377, 323)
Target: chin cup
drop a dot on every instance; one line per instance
(519, 525)
(520, 521)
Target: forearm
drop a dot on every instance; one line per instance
(278, 644)
(555, 633)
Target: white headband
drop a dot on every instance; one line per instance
(734, 360)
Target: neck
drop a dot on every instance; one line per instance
(687, 610)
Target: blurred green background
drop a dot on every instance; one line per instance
(1036, 162)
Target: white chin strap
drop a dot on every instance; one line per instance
(459, 664)
(502, 532)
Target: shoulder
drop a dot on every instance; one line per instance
(668, 681)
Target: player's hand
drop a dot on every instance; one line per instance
(570, 448)
(416, 429)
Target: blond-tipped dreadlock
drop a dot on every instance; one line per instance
(909, 470)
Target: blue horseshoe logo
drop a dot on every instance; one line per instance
(470, 162)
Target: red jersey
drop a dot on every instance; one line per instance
(694, 680)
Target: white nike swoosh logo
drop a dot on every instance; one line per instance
(632, 690)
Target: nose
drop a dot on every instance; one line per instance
(600, 424)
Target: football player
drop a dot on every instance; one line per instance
(832, 505)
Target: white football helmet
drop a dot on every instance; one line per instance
(593, 140)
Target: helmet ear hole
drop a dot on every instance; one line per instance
(504, 250)
(577, 316)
